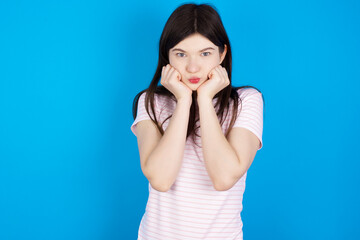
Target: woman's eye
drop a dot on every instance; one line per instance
(206, 53)
(180, 54)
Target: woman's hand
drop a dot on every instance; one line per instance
(218, 80)
(171, 80)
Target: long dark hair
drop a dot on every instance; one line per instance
(186, 20)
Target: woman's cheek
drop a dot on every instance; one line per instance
(172, 60)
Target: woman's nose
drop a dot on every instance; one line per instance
(193, 66)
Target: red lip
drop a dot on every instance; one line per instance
(194, 80)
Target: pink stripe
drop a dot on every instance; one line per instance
(195, 216)
(180, 231)
(201, 219)
(196, 206)
(202, 201)
(201, 229)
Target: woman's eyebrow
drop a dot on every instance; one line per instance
(179, 49)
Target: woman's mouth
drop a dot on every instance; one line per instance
(194, 80)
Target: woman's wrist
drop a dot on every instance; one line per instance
(185, 100)
(201, 98)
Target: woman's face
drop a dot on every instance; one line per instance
(195, 57)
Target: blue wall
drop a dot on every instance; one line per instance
(69, 164)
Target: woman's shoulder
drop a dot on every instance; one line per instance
(158, 95)
(246, 91)
(160, 100)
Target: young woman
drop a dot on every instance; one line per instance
(197, 135)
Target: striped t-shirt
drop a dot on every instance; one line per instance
(192, 209)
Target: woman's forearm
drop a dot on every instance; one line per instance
(221, 161)
(163, 164)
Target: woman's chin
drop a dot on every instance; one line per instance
(194, 87)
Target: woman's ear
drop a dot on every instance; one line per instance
(223, 54)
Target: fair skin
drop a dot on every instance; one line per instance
(226, 159)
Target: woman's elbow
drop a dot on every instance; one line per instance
(224, 185)
(160, 186)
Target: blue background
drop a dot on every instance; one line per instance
(69, 70)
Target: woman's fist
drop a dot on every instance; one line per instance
(218, 80)
(171, 80)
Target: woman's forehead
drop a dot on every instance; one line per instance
(195, 43)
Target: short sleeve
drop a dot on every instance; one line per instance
(141, 113)
(251, 112)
